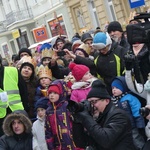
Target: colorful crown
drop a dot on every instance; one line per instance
(43, 71)
(47, 53)
(27, 59)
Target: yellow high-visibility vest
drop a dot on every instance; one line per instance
(10, 85)
(118, 66)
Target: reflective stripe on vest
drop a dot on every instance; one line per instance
(10, 84)
(117, 62)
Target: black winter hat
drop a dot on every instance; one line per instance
(42, 103)
(114, 26)
(98, 90)
(31, 66)
(24, 50)
(86, 36)
(68, 45)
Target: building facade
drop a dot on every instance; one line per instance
(24, 22)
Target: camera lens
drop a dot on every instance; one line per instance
(144, 111)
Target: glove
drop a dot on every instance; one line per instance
(80, 116)
(129, 61)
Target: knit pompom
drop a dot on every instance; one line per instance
(72, 65)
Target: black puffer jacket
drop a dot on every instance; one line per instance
(11, 141)
(106, 64)
(112, 131)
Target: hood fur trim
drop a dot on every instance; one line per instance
(10, 118)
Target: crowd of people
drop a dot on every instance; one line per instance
(75, 95)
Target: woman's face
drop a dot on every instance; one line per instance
(26, 72)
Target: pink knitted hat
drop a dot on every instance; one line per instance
(78, 71)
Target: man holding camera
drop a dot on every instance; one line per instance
(105, 127)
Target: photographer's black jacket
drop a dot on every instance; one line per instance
(111, 131)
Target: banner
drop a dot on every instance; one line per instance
(40, 34)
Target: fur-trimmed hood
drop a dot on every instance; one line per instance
(16, 115)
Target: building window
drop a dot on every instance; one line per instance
(93, 13)
(110, 10)
(80, 18)
(23, 40)
(57, 26)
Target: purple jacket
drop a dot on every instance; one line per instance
(58, 122)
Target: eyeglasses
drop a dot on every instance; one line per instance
(94, 101)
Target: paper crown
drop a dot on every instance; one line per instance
(27, 59)
(47, 53)
(43, 71)
(86, 48)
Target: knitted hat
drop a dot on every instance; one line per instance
(120, 83)
(98, 90)
(101, 40)
(24, 50)
(86, 36)
(117, 83)
(114, 26)
(76, 44)
(54, 88)
(78, 71)
(42, 103)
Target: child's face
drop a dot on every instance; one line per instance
(87, 76)
(53, 97)
(45, 82)
(116, 91)
(41, 112)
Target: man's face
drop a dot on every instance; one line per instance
(18, 127)
(98, 104)
(116, 35)
(104, 50)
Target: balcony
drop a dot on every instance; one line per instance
(18, 16)
(3, 26)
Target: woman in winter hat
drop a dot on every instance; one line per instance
(27, 70)
(17, 128)
(84, 79)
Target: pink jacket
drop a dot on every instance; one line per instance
(78, 95)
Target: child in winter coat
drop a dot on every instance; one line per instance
(45, 78)
(58, 122)
(126, 101)
(38, 130)
(84, 80)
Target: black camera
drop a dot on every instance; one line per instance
(75, 107)
(139, 33)
(144, 111)
(129, 57)
(61, 53)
